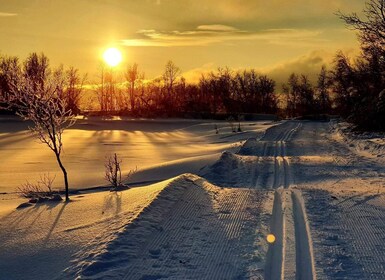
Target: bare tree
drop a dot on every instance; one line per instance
(36, 70)
(372, 28)
(170, 75)
(106, 90)
(10, 73)
(74, 89)
(132, 77)
(48, 112)
(322, 89)
(113, 171)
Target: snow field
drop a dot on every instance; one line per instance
(299, 180)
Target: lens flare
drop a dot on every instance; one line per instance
(270, 238)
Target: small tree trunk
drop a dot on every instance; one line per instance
(65, 175)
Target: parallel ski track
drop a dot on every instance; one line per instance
(291, 255)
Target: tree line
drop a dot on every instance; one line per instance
(352, 88)
(169, 95)
(220, 92)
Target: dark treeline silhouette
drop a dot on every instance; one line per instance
(219, 92)
(223, 92)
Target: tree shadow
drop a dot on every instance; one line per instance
(112, 203)
(55, 222)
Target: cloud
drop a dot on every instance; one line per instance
(194, 75)
(2, 14)
(205, 35)
(309, 64)
(216, 27)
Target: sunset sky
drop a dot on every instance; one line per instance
(276, 36)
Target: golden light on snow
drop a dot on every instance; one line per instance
(270, 238)
(112, 56)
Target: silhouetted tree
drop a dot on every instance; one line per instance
(170, 75)
(342, 77)
(322, 89)
(370, 27)
(38, 98)
(300, 96)
(358, 86)
(291, 91)
(266, 88)
(36, 70)
(133, 78)
(10, 73)
(74, 89)
(108, 94)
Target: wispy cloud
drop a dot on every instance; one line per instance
(210, 34)
(217, 28)
(2, 14)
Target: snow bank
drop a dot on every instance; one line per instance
(370, 144)
(41, 239)
(102, 258)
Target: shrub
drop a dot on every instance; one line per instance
(42, 188)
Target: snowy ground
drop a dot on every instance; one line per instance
(313, 187)
(140, 144)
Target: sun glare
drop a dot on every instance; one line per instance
(270, 238)
(112, 56)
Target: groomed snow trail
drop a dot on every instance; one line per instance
(266, 164)
(290, 256)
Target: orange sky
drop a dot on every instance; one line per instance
(275, 36)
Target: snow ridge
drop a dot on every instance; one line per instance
(123, 247)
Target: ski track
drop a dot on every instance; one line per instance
(290, 256)
(275, 254)
(304, 248)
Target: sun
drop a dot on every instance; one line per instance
(112, 56)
